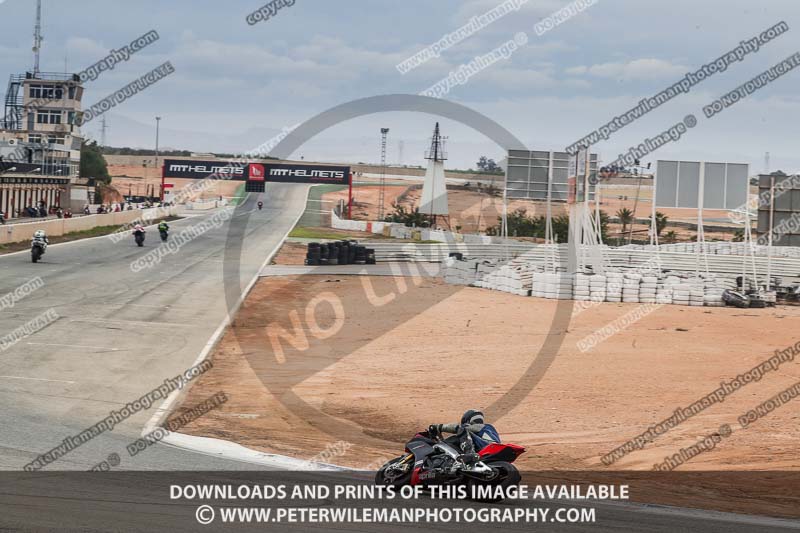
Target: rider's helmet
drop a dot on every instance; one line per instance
(39, 234)
(473, 416)
(138, 227)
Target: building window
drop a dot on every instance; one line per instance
(49, 92)
(35, 138)
(48, 117)
(71, 92)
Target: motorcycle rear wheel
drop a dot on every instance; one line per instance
(394, 477)
(508, 475)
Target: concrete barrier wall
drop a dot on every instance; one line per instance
(23, 232)
(204, 206)
(359, 225)
(400, 231)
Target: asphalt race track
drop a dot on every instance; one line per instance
(118, 336)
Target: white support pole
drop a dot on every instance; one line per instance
(549, 238)
(504, 221)
(699, 219)
(769, 237)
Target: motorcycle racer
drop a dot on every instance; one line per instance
(473, 434)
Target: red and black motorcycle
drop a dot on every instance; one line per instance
(431, 459)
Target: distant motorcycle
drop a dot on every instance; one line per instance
(164, 234)
(38, 248)
(138, 236)
(431, 459)
(260, 205)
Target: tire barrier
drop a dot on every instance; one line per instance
(339, 253)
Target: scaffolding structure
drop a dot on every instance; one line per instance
(12, 115)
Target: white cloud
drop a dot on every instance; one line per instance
(638, 69)
(86, 47)
(519, 79)
(577, 71)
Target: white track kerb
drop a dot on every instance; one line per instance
(218, 447)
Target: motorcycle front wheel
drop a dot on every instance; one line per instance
(393, 474)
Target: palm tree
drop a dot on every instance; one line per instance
(625, 217)
(661, 222)
(670, 237)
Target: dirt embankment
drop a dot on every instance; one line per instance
(141, 181)
(406, 354)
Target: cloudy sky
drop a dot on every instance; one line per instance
(236, 85)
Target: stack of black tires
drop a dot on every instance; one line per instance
(339, 253)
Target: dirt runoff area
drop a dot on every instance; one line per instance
(142, 185)
(312, 361)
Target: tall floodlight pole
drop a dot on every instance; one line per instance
(158, 124)
(382, 191)
(103, 128)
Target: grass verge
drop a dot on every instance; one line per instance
(239, 195)
(300, 232)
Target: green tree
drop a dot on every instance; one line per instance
(485, 164)
(93, 164)
(625, 217)
(411, 218)
(561, 228)
(670, 237)
(661, 222)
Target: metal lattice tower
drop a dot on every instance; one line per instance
(436, 198)
(37, 37)
(382, 190)
(437, 151)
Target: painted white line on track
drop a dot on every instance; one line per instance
(217, 447)
(38, 379)
(75, 346)
(130, 322)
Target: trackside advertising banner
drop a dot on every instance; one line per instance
(198, 170)
(307, 174)
(259, 172)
